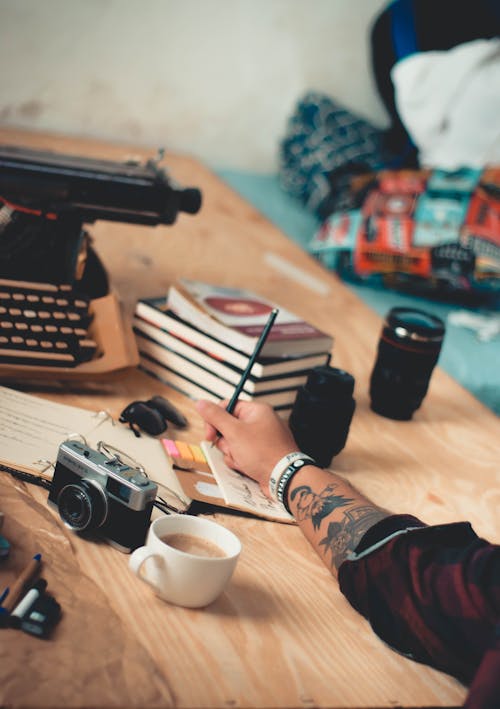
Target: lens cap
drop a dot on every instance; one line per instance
(328, 381)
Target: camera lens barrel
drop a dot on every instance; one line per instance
(407, 353)
(82, 506)
(322, 413)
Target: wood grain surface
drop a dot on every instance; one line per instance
(282, 635)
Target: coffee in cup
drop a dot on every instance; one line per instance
(187, 560)
(191, 544)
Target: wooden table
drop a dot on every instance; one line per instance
(282, 635)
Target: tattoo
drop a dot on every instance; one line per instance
(315, 507)
(343, 537)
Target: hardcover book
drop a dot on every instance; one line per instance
(182, 384)
(197, 382)
(153, 315)
(237, 317)
(163, 347)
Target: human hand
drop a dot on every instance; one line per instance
(254, 438)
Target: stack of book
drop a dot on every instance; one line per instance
(199, 338)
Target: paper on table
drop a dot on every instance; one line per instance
(241, 492)
(31, 429)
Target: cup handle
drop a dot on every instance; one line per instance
(137, 559)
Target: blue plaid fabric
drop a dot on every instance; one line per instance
(324, 141)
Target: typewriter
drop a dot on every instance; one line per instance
(58, 316)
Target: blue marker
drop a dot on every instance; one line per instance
(4, 547)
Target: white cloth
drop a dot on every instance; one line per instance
(449, 102)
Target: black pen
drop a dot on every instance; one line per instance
(258, 347)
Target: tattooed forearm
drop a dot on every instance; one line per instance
(314, 506)
(346, 528)
(344, 536)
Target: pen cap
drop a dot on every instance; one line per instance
(27, 601)
(42, 616)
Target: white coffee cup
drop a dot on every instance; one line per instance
(183, 577)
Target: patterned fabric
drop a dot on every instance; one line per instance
(434, 231)
(322, 139)
(433, 594)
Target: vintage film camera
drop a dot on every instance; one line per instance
(101, 495)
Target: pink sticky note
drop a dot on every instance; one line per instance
(170, 447)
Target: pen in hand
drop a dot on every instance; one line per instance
(258, 347)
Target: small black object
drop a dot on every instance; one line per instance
(408, 350)
(152, 416)
(42, 616)
(322, 413)
(149, 419)
(168, 411)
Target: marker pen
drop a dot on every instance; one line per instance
(25, 577)
(4, 547)
(29, 599)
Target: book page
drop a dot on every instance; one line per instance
(32, 428)
(242, 492)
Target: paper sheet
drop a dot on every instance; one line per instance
(31, 428)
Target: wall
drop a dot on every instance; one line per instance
(215, 78)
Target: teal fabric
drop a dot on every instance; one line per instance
(474, 364)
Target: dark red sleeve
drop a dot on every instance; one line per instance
(432, 593)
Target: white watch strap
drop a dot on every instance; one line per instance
(282, 473)
(280, 467)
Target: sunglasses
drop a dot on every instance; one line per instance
(151, 416)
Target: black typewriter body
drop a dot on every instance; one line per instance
(58, 315)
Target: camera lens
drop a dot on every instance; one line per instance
(408, 350)
(322, 413)
(82, 506)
